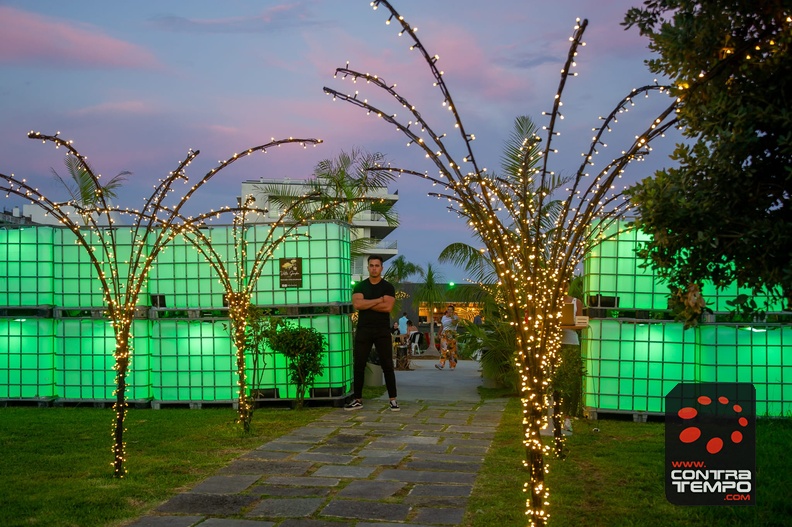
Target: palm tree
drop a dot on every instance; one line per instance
(84, 190)
(431, 293)
(345, 187)
(399, 269)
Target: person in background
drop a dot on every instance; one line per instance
(373, 298)
(448, 343)
(403, 324)
(395, 331)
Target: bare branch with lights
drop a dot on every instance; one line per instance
(535, 225)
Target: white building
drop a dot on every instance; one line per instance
(364, 225)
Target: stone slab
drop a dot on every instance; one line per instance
(462, 491)
(343, 471)
(224, 484)
(283, 446)
(214, 504)
(346, 439)
(418, 502)
(417, 476)
(290, 492)
(437, 516)
(260, 453)
(319, 457)
(442, 464)
(285, 507)
(225, 522)
(314, 523)
(255, 466)
(367, 510)
(304, 481)
(386, 460)
(371, 490)
(312, 430)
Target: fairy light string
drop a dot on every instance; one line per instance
(122, 271)
(535, 227)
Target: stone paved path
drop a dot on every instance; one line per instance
(364, 468)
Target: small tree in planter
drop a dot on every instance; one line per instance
(303, 347)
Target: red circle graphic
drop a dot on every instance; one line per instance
(714, 445)
(690, 434)
(687, 413)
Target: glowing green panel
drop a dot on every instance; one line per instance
(27, 364)
(182, 351)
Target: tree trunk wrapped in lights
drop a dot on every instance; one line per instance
(534, 225)
(152, 229)
(240, 275)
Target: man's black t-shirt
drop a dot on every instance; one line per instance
(368, 318)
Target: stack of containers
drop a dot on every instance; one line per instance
(635, 354)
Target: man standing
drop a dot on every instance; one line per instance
(373, 298)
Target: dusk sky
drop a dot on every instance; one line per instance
(138, 84)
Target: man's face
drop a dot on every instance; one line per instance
(375, 268)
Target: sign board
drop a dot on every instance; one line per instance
(290, 272)
(710, 440)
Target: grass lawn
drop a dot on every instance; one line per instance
(55, 463)
(615, 477)
(55, 469)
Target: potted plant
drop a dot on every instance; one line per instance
(303, 348)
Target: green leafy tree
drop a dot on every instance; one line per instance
(723, 214)
(303, 348)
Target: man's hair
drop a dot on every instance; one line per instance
(375, 257)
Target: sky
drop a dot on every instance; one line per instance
(136, 85)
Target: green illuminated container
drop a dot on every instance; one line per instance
(182, 352)
(183, 276)
(77, 281)
(631, 366)
(26, 266)
(27, 359)
(755, 354)
(85, 361)
(324, 249)
(192, 361)
(632, 362)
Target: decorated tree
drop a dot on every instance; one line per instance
(724, 214)
(239, 273)
(533, 258)
(95, 223)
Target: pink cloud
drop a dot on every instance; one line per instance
(31, 38)
(120, 107)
